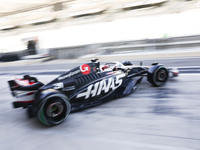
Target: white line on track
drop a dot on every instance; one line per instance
(176, 58)
(189, 74)
(190, 70)
(187, 67)
(144, 145)
(36, 71)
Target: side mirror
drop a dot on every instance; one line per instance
(94, 60)
(155, 63)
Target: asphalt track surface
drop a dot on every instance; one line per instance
(152, 118)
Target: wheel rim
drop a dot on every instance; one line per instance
(162, 75)
(54, 109)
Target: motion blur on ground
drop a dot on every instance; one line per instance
(45, 38)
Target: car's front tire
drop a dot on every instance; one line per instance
(54, 109)
(159, 76)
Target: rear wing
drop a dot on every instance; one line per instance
(24, 86)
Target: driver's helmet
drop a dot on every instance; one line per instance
(105, 67)
(114, 66)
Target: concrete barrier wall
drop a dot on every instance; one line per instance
(74, 51)
(145, 44)
(113, 47)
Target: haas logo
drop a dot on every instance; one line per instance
(85, 69)
(103, 86)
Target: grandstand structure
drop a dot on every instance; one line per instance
(22, 20)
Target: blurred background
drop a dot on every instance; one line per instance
(73, 28)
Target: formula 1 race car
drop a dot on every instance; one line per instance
(84, 86)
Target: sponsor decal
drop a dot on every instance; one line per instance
(85, 69)
(109, 73)
(59, 85)
(69, 88)
(22, 82)
(94, 68)
(69, 75)
(102, 86)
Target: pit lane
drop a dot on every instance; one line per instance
(164, 118)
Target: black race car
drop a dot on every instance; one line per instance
(84, 86)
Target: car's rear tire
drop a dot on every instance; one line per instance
(159, 77)
(54, 109)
